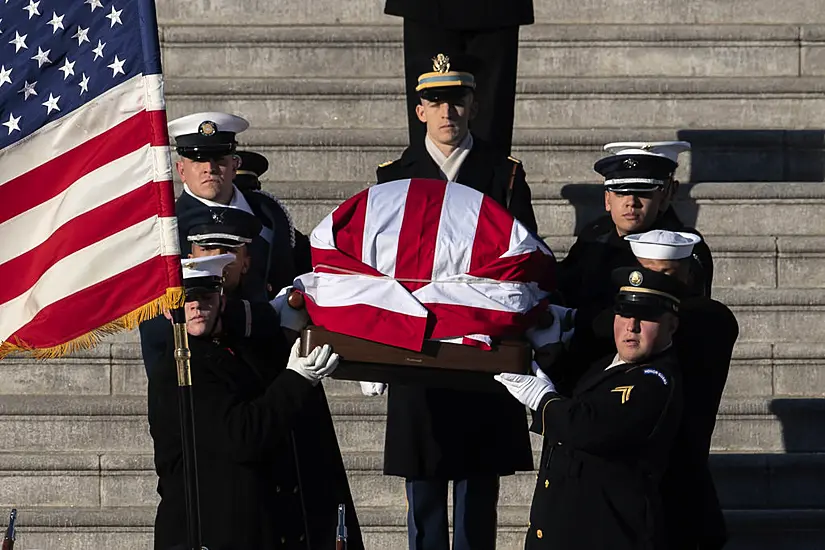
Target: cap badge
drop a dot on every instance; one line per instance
(630, 163)
(190, 265)
(217, 217)
(441, 63)
(207, 128)
(635, 278)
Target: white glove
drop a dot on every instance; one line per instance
(528, 389)
(540, 373)
(560, 331)
(293, 319)
(318, 364)
(373, 388)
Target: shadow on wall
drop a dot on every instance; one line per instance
(725, 156)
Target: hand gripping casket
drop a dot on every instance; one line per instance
(424, 281)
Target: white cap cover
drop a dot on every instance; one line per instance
(206, 123)
(663, 245)
(205, 266)
(666, 149)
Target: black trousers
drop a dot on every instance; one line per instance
(497, 49)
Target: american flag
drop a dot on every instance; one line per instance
(420, 259)
(88, 238)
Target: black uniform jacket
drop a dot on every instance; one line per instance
(274, 264)
(584, 275)
(464, 14)
(269, 467)
(704, 344)
(604, 451)
(449, 434)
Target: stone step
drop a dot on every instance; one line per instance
(620, 102)
(384, 528)
(744, 481)
(726, 211)
(757, 369)
(118, 424)
(556, 50)
(586, 12)
(328, 156)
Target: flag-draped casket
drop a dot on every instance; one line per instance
(417, 259)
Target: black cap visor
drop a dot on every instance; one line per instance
(202, 153)
(648, 307)
(198, 288)
(447, 94)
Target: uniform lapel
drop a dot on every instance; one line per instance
(418, 161)
(598, 374)
(477, 171)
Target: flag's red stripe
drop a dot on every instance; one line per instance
(492, 238)
(322, 258)
(165, 197)
(453, 321)
(371, 323)
(21, 273)
(419, 232)
(55, 176)
(535, 267)
(95, 306)
(157, 126)
(348, 225)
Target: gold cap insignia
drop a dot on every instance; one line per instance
(190, 265)
(441, 63)
(635, 278)
(207, 128)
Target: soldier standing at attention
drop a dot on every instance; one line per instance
(436, 435)
(638, 188)
(485, 29)
(606, 446)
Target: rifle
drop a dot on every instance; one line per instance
(341, 536)
(8, 540)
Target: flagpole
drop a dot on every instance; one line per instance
(187, 430)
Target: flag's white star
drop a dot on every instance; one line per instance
(114, 17)
(67, 68)
(4, 75)
(19, 42)
(12, 123)
(84, 84)
(51, 104)
(32, 8)
(42, 57)
(28, 89)
(99, 50)
(117, 66)
(56, 22)
(94, 4)
(82, 35)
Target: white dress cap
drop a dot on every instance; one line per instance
(205, 266)
(194, 123)
(667, 149)
(663, 245)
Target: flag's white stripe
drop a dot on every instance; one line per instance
(333, 290)
(495, 296)
(32, 227)
(153, 90)
(61, 136)
(524, 242)
(322, 237)
(161, 164)
(456, 231)
(94, 264)
(169, 241)
(382, 225)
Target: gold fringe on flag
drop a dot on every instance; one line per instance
(172, 299)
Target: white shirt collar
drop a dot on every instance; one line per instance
(449, 166)
(616, 361)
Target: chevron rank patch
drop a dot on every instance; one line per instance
(661, 376)
(625, 391)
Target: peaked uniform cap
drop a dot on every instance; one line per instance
(253, 166)
(204, 274)
(218, 226)
(663, 245)
(444, 76)
(202, 136)
(646, 294)
(637, 166)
